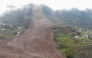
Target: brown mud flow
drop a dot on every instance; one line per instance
(35, 42)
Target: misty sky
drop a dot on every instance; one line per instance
(54, 4)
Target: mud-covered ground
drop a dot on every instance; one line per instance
(35, 42)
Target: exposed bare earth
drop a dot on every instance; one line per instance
(35, 42)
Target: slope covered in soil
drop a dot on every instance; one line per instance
(35, 42)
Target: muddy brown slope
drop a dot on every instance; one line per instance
(35, 42)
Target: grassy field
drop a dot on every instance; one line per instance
(72, 47)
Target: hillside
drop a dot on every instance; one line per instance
(34, 42)
(72, 17)
(36, 31)
(73, 42)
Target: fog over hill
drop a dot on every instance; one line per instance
(74, 17)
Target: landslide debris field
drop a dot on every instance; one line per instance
(35, 42)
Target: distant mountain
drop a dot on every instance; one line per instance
(74, 17)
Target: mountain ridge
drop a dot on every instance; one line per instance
(75, 17)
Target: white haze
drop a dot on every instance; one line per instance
(54, 4)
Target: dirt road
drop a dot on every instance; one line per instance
(35, 42)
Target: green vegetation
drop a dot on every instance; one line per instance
(70, 46)
(11, 21)
(7, 31)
